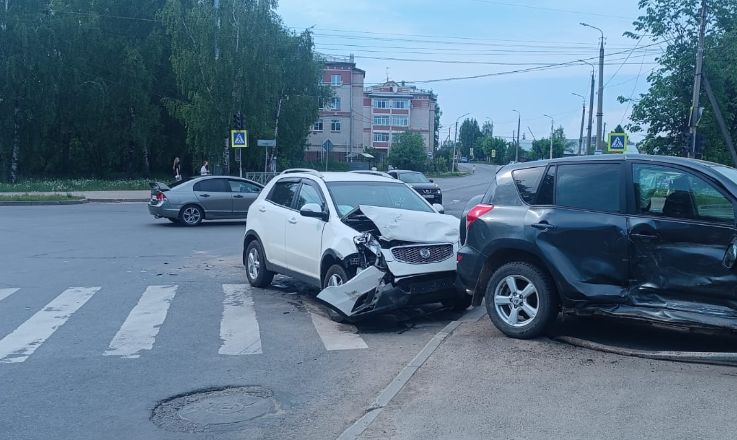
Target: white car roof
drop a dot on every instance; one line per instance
(342, 177)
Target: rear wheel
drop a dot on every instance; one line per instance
(191, 215)
(521, 300)
(255, 261)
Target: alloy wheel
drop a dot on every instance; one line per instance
(191, 215)
(335, 280)
(253, 263)
(516, 300)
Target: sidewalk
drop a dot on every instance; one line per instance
(101, 196)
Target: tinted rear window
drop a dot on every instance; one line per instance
(212, 185)
(284, 193)
(527, 181)
(594, 187)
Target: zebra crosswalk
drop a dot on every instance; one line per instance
(240, 332)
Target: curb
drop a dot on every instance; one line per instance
(117, 200)
(694, 357)
(43, 203)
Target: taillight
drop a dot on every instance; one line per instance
(477, 212)
(160, 196)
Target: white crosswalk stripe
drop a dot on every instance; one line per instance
(336, 336)
(24, 340)
(239, 330)
(138, 332)
(4, 293)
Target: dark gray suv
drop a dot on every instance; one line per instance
(643, 237)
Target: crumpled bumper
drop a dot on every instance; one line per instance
(374, 291)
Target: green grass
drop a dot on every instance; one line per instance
(71, 185)
(38, 197)
(447, 174)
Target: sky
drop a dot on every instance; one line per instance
(427, 42)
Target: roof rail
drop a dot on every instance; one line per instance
(302, 170)
(371, 172)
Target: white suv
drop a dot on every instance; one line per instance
(326, 228)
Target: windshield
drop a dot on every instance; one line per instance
(413, 178)
(349, 195)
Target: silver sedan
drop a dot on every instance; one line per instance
(203, 198)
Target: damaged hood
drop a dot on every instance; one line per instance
(414, 226)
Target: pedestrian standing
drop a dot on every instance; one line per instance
(177, 168)
(473, 169)
(205, 170)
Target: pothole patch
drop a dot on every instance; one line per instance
(214, 409)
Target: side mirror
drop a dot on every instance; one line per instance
(730, 257)
(438, 207)
(432, 181)
(313, 210)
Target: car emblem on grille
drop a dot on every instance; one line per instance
(425, 253)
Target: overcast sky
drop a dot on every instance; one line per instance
(426, 40)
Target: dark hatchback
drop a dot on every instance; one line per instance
(640, 237)
(424, 186)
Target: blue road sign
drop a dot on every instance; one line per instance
(617, 142)
(327, 145)
(239, 138)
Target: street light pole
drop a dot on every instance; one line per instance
(455, 144)
(600, 108)
(591, 107)
(516, 148)
(583, 118)
(552, 130)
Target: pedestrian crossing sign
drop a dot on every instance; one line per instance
(618, 142)
(239, 138)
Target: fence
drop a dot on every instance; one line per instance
(262, 178)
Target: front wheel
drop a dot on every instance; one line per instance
(521, 300)
(191, 215)
(255, 261)
(335, 276)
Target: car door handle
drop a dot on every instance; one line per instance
(262, 209)
(238, 196)
(293, 220)
(205, 195)
(644, 236)
(543, 226)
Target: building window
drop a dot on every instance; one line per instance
(381, 120)
(317, 126)
(400, 103)
(381, 137)
(335, 125)
(335, 104)
(336, 80)
(400, 121)
(381, 103)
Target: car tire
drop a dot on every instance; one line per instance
(335, 273)
(521, 300)
(191, 215)
(255, 261)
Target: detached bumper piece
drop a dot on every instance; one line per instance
(374, 291)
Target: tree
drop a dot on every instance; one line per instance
(468, 135)
(663, 112)
(618, 129)
(541, 147)
(408, 152)
(495, 149)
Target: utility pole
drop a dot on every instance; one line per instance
(583, 118)
(455, 143)
(720, 119)
(516, 147)
(591, 114)
(695, 110)
(600, 108)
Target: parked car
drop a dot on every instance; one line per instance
(370, 242)
(203, 198)
(424, 186)
(641, 237)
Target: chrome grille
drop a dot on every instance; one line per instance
(423, 254)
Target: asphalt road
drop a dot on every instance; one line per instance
(457, 191)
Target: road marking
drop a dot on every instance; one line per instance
(4, 293)
(24, 340)
(336, 336)
(138, 332)
(239, 329)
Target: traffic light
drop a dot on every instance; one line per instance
(238, 121)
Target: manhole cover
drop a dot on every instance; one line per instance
(214, 409)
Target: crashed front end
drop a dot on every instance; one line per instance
(403, 258)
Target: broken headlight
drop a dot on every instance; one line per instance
(369, 249)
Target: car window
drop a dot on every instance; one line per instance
(349, 195)
(670, 192)
(284, 193)
(527, 181)
(413, 178)
(243, 187)
(212, 185)
(309, 193)
(546, 193)
(589, 186)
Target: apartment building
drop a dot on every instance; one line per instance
(357, 118)
(341, 122)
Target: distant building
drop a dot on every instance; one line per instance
(341, 119)
(357, 118)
